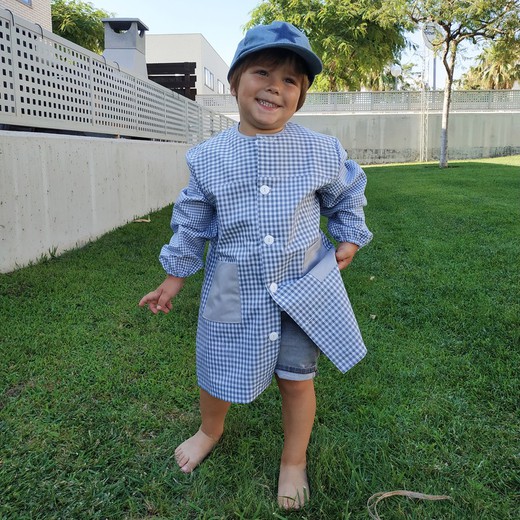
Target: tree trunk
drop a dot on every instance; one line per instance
(443, 162)
(449, 65)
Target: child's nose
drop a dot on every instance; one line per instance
(274, 85)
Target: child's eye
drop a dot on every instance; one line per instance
(292, 81)
(261, 72)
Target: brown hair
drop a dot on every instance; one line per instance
(273, 57)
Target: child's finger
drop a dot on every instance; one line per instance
(343, 262)
(152, 296)
(164, 305)
(143, 301)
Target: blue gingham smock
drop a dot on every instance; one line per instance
(258, 201)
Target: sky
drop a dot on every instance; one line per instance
(222, 22)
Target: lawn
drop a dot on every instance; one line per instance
(95, 393)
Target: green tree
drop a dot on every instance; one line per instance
(462, 21)
(79, 22)
(498, 67)
(355, 39)
(383, 80)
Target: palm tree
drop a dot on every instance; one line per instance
(498, 67)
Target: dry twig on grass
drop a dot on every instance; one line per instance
(376, 498)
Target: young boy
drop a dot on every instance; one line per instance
(273, 296)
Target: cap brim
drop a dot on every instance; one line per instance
(312, 61)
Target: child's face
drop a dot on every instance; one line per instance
(267, 97)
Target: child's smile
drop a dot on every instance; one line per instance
(267, 97)
(267, 104)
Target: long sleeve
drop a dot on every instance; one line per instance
(342, 202)
(193, 223)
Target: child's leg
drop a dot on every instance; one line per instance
(298, 411)
(194, 450)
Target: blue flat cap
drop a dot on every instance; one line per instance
(278, 35)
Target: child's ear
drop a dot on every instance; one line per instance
(233, 91)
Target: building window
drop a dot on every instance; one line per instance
(220, 86)
(209, 79)
(26, 2)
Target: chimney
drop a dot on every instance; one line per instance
(125, 43)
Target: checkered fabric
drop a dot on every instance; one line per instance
(258, 201)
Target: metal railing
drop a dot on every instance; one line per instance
(390, 101)
(49, 82)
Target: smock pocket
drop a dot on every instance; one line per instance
(325, 266)
(223, 303)
(313, 255)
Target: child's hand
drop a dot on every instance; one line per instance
(161, 298)
(345, 253)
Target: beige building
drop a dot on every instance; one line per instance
(210, 69)
(36, 11)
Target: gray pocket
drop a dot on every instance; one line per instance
(326, 265)
(312, 255)
(223, 303)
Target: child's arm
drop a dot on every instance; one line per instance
(345, 253)
(161, 298)
(342, 202)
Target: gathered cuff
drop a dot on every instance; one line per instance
(359, 237)
(181, 267)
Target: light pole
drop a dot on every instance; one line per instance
(396, 71)
(431, 35)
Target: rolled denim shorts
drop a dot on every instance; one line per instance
(298, 357)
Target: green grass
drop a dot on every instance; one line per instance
(96, 393)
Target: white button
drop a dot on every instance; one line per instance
(264, 190)
(268, 239)
(273, 336)
(273, 287)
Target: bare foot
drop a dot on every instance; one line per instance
(194, 450)
(293, 487)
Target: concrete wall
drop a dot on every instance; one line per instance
(58, 192)
(372, 138)
(36, 11)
